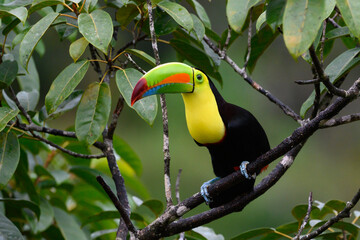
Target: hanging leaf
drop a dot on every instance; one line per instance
(350, 11)
(68, 226)
(39, 4)
(254, 233)
(33, 36)
(17, 203)
(127, 154)
(337, 33)
(97, 28)
(8, 72)
(147, 107)
(143, 55)
(77, 48)
(178, 13)
(275, 13)
(9, 156)
(156, 206)
(126, 14)
(28, 100)
(237, 11)
(64, 84)
(8, 230)
(198, 27)
(101, 216)
(201, 12)
(302, 21)
(21, 12)
(46, 217)
(6, 115)
(93, 112)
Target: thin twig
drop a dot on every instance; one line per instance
(115, 117)
(341, 121)
(345, 213)
(166, 150)
(134, 63)
(226, 44)
(96, 63)
(306, 218)
(249, 39)
(324, 78)
(306, 82)
(286, 109)
(75, 154)
(177, 191)
(21, 108)
(123, 213)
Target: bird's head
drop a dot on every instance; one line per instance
(170, 78)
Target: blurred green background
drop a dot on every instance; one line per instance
(328, 165)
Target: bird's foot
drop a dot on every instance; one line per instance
(244, 171)
(204, 190)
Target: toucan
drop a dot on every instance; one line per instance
(232, 135)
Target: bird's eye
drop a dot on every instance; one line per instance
(199, 77)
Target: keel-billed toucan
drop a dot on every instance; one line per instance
(232, 134)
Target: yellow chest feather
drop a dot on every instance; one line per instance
(203, 118)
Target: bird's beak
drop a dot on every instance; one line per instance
(165, 78)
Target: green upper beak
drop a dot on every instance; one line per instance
(166, 78)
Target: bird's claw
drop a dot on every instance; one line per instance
(204, 190)
(244, 171)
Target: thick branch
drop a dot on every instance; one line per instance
(286, 109)
(118, 205)
(115, 117)
(343, 214)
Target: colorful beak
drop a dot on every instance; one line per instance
(165, 78)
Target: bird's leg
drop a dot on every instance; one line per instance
(204, 189)
(244, 171)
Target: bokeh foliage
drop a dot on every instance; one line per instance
(46, 193)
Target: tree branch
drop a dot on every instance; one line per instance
(241, 71)
(343, 214)
(165, 121)
(341, 121)
(118, 205)
(306, 218)
(115, 117)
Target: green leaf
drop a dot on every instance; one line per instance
(253, 233)
(16, 203)
(28, 100)
(260, 21)
(20, 12)
(93, 112)
(198, 27)
(97, 28)
(337, 32)
(275, 13)
(8, 72)
(208, 233)
(68, 104)
(350, 11)
(101, 216)
(6, 115)
(127, 154)
(69, 228)
(348, 227)
(335, 70)
(46, 217)
(8, 230)
(196, 57)
(64, 84)
(143, 55)
(9, 156)
(237, 11)
(259, 43)
(147, 107)
(178, 13)
(89, 176)
(200, 12)
(39, 4)
(126, 14)
(156, 206)
(77, 48)
(302, 21)
(336, 205)
(33, 36)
